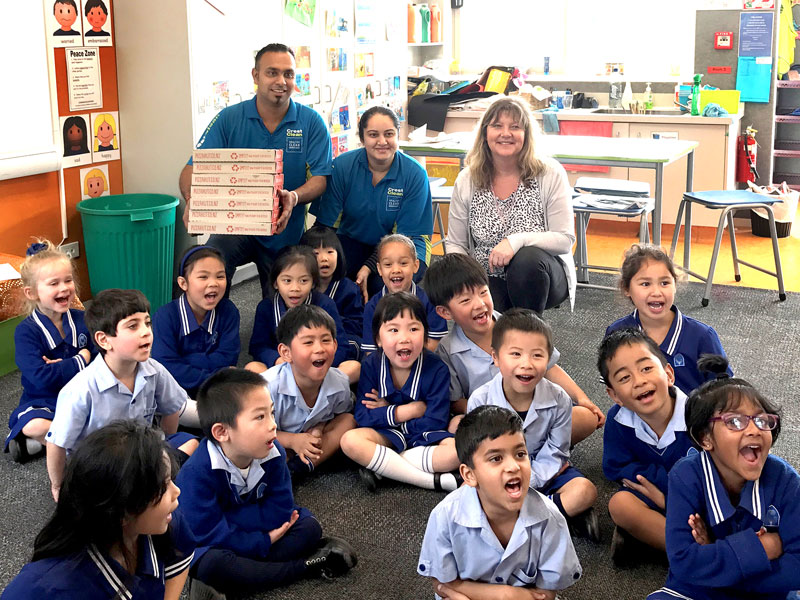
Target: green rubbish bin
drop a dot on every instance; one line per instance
(129, 241)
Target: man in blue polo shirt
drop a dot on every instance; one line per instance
(270, 120)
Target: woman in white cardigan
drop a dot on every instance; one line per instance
(512, 211)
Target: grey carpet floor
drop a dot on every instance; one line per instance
(759, 334)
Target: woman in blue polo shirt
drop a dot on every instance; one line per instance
(376, 190)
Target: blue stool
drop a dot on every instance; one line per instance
(727, 201)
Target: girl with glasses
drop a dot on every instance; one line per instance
(733, 511)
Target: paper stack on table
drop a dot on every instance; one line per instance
(235, 191)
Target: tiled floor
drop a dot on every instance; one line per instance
(607, 241)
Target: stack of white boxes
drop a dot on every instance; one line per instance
(235, 191)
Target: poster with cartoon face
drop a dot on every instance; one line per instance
(97, 23)
(75, 134)
(64, 23)
(94, 182)
(105, 136)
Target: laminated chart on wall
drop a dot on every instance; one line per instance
(754, 69)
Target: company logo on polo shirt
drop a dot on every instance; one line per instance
(678, 360)
(294, 140)
(394, 196)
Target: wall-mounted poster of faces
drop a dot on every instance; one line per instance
(64, 23)
(94, 182)
(105, 136)
(75, 134)
(97, 23)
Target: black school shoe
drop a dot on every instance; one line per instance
(202, 591)
(18, 448)
(585, 525)
(369, 479)
(332, 559)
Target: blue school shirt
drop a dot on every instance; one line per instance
(95, 397)
(228, 511)
(459, 544)
(631, 447)
(36, 336)
(93, 575)
(470, 365)
(735, 565)
(399, 203)
(686, 340)
(292, 414)
(270, 311)
(193, 351)
(437, 326)
(348, 299)
(547, 427)
(303, 137)
(427, 382)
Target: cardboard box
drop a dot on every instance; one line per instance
(233, 204)
(227, 216)
(237, 155)
(231, 228)
(238, 179)
(263, 193)
(236, 167)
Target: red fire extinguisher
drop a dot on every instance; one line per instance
(747, 149)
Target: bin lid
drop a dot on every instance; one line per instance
(125, 204)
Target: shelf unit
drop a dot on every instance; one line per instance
(419, 52)
(786, 147)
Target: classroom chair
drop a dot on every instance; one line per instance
(728, 201)
(440, 195)
(599, 196)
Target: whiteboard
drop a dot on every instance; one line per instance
(27, 144)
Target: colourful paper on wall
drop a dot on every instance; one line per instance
(753, 79)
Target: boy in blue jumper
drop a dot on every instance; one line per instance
(645, 435)
(123, 382)
(313, 402)
(521, 348)
(397, 264)
(493, 533)
(459, 288)
(237, 498)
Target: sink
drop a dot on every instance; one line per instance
(623, 111)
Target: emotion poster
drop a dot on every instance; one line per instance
(64, 22)
(104, 136)
(97, 23)
(75, 135)
(94, 182)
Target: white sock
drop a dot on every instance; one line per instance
(189, 417)
(421, 457)
(388, 463)
(33, 446)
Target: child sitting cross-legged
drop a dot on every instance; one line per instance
(493, 537)
(645, 435)
(521, 349)
(251, 536)
(313, 402)
(122, 382)
(459, 288)
(402, 404)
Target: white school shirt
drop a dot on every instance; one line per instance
(292, 414)
(459, 544)
(95, 397)
(547, 427)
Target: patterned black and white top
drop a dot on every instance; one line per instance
(491, 219)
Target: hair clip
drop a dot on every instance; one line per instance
(35, 248)
(723, 375)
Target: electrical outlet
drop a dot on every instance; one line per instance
(72, 249)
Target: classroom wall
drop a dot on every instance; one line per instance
(30, 206)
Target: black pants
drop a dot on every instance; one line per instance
(356, 253)
(229, 573)
(535, 279)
